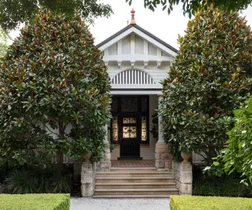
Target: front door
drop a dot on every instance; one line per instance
(129, 125)
(129, 135)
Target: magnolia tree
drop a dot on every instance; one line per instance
(54, 90)
(3, 43)
(208, 79)
(238, 154)
(15, 12)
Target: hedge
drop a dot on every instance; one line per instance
(34, 201)
(209, 203)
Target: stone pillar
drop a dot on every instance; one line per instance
(87, 179)
(105, 163)
(183, 177)
(162, 157)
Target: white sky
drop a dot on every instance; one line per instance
(159, 23)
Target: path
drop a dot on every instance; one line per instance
(119, 204)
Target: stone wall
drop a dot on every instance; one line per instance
(183, 177)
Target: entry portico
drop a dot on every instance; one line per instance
(137, 62)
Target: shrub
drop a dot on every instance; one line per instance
(238, 154)
(35, 202)
(217, 183)
(207, 203)
(221, 186)
(37, 180)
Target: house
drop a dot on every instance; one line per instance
(137, 62)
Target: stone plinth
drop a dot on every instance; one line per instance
(183, 177)
(162, 157)
(87, 179)
(105, 163)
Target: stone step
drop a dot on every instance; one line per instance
(130, 169)
(130, 196)
(133, 174)
(129, 179)
(165, 191)
(151, 185)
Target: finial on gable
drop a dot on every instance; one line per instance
(132, 17)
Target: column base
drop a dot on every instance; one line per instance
(162, 157)
(105, 165)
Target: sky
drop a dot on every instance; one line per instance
(159, 23)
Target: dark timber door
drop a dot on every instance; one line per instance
(130, 141)
(129, 125)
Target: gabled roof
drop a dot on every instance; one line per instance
(143, 31)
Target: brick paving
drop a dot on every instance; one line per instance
(132, 163)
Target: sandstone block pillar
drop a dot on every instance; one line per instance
(87, 179)
(105, 163)
(183, 177)
(162, 157)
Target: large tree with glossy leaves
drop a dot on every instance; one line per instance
(54, 90)
(3, 43)
(14, 12)
(207, 81)
(190, 7)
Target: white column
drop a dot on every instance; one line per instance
(160, 128)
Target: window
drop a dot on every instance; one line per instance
(115, 129)
(144, 129)
(129, 104)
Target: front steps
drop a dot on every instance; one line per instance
(135, 183)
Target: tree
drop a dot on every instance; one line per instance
(191, 7)
(238, 154)
(14, 12)
(54, 90)
(3, 43)
(208, 80)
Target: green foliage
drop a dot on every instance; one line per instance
(54, 90)
(35, 179)
(238, 154)
(191, 7)
(213, 203)
(209, 78)
(35, 202)
(217, 183)
(14, 12)
(221, 186)
(3, 43)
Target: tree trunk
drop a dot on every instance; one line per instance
(59, 153)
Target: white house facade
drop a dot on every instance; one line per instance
(137, 62)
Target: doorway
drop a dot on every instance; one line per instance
(129, 125)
